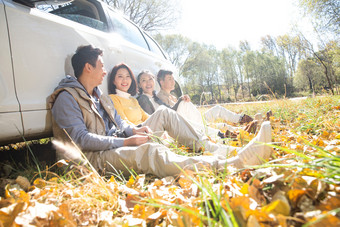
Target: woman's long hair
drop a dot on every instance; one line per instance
(112, 88)
(140, 90)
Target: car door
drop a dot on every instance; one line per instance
(42, 45)
(10, 119)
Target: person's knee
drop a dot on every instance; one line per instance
(166, 112)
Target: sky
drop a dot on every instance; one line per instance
(224, 23)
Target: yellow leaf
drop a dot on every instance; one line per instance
(300, 139)
(337, 136)
(184, 182)
(234, 143)
(139, 211)
(329, 220)
(131, 181)
(158, 183)
(8, 214)
(40, 183)
(242, 201)
(294, 195)
(24, 197)
(112, 179)
(7, 193)
(279, 205)
(310, 172)
(54, 179)
(299, 183)
(65, 212)
(325, 134)
(244, 189)
(318, 142)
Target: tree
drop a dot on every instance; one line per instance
(325, 12)
(269, 45)
(323, 59)
(151, 15)
(249, 59)
(310, 70)
(201, 70)
(229, 70)
(289, 47)
(177, 48)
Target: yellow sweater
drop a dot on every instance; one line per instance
(129, 109)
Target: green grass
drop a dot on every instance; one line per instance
(305, 166)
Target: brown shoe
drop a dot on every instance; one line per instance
(230, 134)
(227, 134)
(269, 114)
(246, 119)
(251, 127)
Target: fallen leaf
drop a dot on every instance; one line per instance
(184, 182)
(279, 205)
(294, 195)
(9, 214)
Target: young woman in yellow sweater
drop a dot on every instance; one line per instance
(122, 86)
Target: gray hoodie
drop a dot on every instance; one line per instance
(68, 115)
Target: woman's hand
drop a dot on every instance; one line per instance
(136, 140)
(144, 130)
(185, 98)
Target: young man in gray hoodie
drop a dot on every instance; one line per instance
(83, 114)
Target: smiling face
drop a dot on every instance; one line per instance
(168, 84)
(147, 83)
(99, 71)
(122, 80)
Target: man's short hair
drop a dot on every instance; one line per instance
(161, 75)
(83, 55)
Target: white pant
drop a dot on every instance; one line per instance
(157, 159)
(189, 111)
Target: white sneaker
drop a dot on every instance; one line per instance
(255, 152)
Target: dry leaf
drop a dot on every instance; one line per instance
(9, 214)
(294, 195)
(279, 205)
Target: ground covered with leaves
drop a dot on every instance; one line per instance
(298, 186)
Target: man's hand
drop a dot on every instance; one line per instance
(186, 98)
(136, 140)
(144, 130)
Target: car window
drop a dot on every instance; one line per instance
(127, 30)
(83, 12)
(153, 46)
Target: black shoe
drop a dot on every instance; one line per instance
(221, 134)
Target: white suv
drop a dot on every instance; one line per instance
(35, 51)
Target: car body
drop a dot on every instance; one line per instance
(36, 48)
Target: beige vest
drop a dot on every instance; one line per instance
(93, 121)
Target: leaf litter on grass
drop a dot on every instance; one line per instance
(298, 186)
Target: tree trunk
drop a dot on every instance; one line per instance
(326, 72)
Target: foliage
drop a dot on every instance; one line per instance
(309, 71)
(177, 47)
(298, 186)
(151, 15)
(234, 74)
(325, 12)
